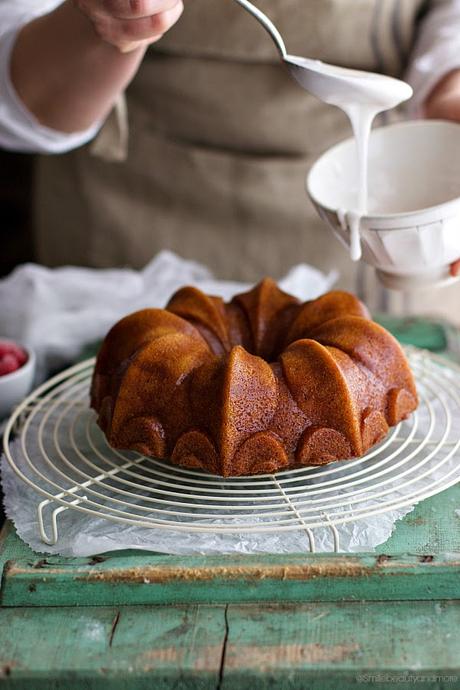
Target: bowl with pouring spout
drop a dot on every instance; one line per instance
(411, 230)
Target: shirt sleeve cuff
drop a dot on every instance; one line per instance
(19, 129)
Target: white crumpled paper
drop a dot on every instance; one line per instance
(57, 312)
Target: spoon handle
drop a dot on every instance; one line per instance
(267, 24)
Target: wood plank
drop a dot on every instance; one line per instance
(110, 648)
(318, 646)
(325, 647)
(117, 580)
(11, 546)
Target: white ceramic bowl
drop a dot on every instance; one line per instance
(412, 232)
(15, 386)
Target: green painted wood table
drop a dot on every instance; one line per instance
(133, 620)
(138, 621)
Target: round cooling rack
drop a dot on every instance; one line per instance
(53, 444)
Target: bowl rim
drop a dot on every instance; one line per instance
(29, 364)
(447, 206)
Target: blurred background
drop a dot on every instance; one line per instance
(16, 173)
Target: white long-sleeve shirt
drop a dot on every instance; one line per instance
(19, 129)
(436, 52)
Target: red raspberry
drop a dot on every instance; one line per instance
(8, 348)
(8, 364)
(4, 348)
(20, 355)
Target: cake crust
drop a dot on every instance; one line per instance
(257, 385)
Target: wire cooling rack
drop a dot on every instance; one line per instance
(53, 444)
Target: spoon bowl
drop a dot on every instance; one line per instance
(331, 84)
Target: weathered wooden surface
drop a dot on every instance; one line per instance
(228, 579)
(151, 648)
(315, 645)
(432, 527)
(291, 647)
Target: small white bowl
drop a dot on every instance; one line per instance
(412, 232)
(15, 386)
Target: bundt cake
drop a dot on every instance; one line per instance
(260, 384)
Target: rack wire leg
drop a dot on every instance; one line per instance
(51, 540)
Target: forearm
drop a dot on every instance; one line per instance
(65, 75)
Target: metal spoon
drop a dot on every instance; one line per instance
(335, 85)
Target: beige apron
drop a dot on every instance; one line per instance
(220, 141)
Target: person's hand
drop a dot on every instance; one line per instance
(443, 103)
(130, 24)
(455, 269)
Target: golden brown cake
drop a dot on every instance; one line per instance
(260, 384)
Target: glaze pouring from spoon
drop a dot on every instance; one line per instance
(361, 95)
